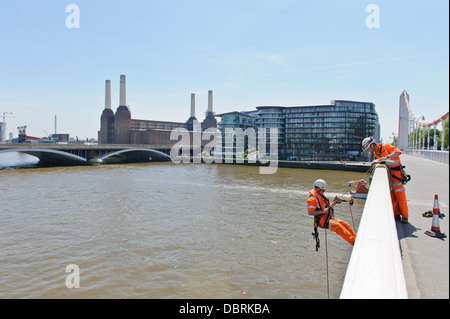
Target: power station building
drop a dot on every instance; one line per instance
(318, 132)
(120, 128)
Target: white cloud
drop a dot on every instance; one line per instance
(347, 75)
(271, 58)
(331, 66)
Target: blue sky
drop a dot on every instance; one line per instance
(249, 52)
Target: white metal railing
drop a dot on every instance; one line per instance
(411, 131)
(436, 156)
(375, 270)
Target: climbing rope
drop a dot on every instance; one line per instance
(326, 254)
(351, 214)
(339, 200)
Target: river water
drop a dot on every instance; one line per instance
(164, 230)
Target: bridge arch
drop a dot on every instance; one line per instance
(50, 156)
(91, 156)
(135, 155)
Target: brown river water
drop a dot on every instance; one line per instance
(164, 230)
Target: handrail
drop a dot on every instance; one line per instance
(375, 270)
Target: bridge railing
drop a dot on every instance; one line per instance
(375, 270)
(436, 156)
(411, 130)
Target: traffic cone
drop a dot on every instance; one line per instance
(435, 229)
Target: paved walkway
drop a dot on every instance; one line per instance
(425, 259)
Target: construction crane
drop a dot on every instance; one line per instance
(4, 116)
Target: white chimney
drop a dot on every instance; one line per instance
(123, 91)
(192, 105)
(210, 101)
(108, 94)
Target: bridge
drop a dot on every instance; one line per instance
(80, 154)
(395, 260)
(415, 136)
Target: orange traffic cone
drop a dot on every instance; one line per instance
(435, 229)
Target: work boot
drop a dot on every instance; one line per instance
(397, 217)
(404, 221)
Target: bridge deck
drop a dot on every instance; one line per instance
(64, 147)
(425, 259)
(81, 154)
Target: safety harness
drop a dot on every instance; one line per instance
(404, 177)
(317, 218)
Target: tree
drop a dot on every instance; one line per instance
(446, 140)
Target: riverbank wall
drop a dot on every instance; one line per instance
(326, 165)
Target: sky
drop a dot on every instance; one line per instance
(249, 52)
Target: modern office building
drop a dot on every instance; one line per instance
(230, 125)
(237, 119)
(321, 132)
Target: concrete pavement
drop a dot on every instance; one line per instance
(425, 259)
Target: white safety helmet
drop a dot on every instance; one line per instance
(367, 142)
(320, 183)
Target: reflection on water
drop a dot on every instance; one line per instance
(10, 160)
(162, 230)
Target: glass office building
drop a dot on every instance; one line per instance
(230, 144)
(323, 132)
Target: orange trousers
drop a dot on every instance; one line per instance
(340, 227)
(398, 196)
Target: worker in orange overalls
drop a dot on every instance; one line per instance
(385, 152)
(319, 206)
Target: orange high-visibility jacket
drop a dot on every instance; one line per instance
(318, 202)
(327, 221)
(384, 150)
(399, 201)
